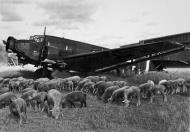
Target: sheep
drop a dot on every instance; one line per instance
(181, 85)
(27, 96)
(94, 79)
(75, 80)
(120, 83)
(14, 85)
(39, 81)
(53, 99)
(4, 90)
(187, 85)
(42, 86)
(18, 108)
(6, 99)
(108, 92)
(117, 95)
(162, 82)
(158, 89)
(69, 85)
(42, 80)
(97, 85)
(100, 88)
(88, 87)
(27, 89)
(26, 83)
(172, 86)
(5, 82)
(145, 87)
(39, 99)
(132, 91)
(60, 84)
(103, 78)
(72, 97)
(46, 86)
(82, 83)
(167, 84)
(1, 80)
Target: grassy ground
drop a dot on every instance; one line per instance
(159, 117)
(173, 116)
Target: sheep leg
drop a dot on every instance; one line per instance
(164, 95)
(83, 103)
(72, 104)
(151, 97)
(138, 99)
(184, 88)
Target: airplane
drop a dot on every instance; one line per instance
(50, 52)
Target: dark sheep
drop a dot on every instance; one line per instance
(72, 97)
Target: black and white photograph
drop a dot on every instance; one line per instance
(94, 66)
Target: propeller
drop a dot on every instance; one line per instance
(44, 48)
(44, 31)
(44, 40)
(4, 42)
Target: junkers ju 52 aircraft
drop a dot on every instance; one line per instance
(49, 52)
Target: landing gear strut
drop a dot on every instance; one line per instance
(43, 73)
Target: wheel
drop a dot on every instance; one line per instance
(38, 73)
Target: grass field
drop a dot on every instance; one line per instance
(173, 116)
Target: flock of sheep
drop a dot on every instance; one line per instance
(47, 95)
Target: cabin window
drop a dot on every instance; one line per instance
(66, 48)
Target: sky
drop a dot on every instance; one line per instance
(107, 23)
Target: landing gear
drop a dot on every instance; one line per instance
(43, 73)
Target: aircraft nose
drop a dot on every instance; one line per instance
(10, 44)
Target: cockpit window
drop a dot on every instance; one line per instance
(37, 38)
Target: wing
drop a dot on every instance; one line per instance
(95, 61)
(170, 63)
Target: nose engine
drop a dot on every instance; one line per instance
(10, 44)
